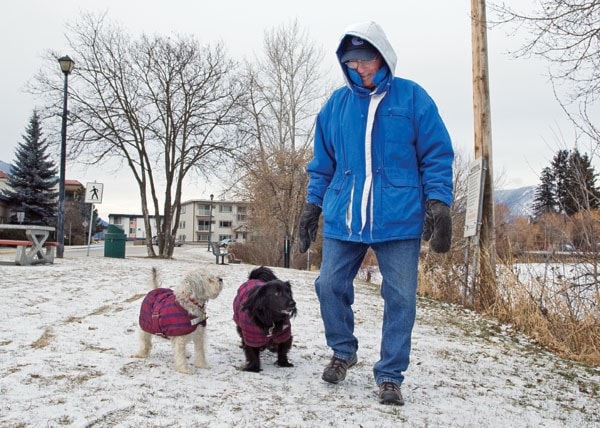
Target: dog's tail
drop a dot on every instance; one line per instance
(155, 278)
(263, 274)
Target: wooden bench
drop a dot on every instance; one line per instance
(26, 255)
(219, 252)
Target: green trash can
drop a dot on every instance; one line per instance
(114, 242)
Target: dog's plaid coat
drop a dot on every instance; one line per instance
(163, 316)
(252, 335)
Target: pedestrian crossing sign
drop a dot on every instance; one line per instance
(93, 193)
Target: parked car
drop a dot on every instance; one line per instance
(227, 242)
(178, 242)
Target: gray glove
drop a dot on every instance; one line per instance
(438, 226)
(307, 229)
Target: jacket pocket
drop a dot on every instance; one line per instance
(402, 200)
(397, 125)
(399, 139)
(336, 199)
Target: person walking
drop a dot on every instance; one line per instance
(381, 175)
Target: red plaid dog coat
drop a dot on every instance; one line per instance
(252, 335)
(162, 315)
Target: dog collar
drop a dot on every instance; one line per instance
(202, 318)
(195, 302)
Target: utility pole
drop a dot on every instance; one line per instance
(483, 148)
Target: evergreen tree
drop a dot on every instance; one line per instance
(31, 184)
(545, 194)
(582, 182)
(567, 186)
(560, 169)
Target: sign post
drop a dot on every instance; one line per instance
(475, 186)
(93, 195)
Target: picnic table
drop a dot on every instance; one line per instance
(36, 249)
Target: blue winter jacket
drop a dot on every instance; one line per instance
(379, 154)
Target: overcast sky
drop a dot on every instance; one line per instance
(432, 39)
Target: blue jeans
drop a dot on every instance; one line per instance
(398, 264)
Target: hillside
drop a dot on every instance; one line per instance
(5, 167)
(519, 201)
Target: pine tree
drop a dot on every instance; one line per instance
(545, 194)
(33, 179)
(582, 182)
(567, 186)
(560, 169)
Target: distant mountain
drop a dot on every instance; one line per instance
(4, 167)
(519, 201)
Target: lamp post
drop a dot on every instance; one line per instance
(66, 66)
(210, 222)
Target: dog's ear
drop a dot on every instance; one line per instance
(288, 287)
(258, 307)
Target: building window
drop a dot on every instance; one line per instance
(225, 223)
(204, 209)
(182, 210)
(242, 213)
(182, 224)
(203, 226)
(226, 209)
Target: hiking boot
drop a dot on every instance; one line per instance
(335, 371)
(389, 393)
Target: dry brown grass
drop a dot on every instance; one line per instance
(560, 329)
(44, 339)
(573, 337)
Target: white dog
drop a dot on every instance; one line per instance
(179, 315)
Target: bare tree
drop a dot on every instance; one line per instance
(567, 34)
(285, 91)
(163, 106)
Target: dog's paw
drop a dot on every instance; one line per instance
(184, 370)
(285, 363)
(252, 369)
(202, 365)
(139, 355)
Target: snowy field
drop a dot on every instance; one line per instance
(69, 330)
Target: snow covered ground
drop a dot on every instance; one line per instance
(69, 330)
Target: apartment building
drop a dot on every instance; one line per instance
(133, 225)
(201, 221)
(204, 220)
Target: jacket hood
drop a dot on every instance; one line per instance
(373, 33)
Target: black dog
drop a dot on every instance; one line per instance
(262, 310)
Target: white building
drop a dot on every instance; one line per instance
(133, 225)
(198, 223)
(226, 220)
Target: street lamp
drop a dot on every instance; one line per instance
(66, 66)
(210, 222)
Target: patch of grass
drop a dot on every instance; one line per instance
(44, 339)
